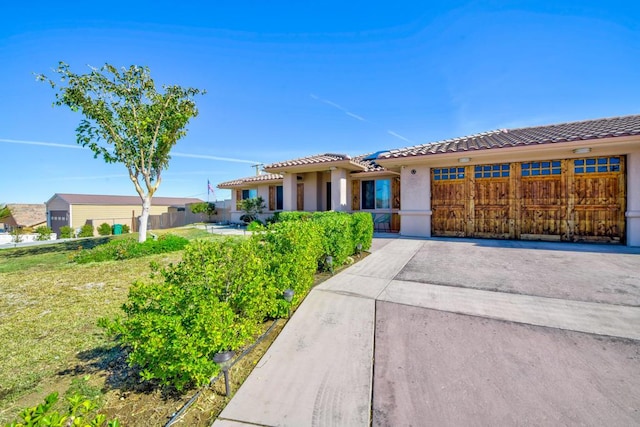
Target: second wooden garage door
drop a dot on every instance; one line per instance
(571, 200)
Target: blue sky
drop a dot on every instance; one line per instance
(290, 79)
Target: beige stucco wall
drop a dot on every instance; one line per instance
(289, 192)
(339, 181)
(633, 198)
(415, 201)
(263, 191)
(310, 181)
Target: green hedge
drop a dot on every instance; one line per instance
(221, 292)
(293, 216)
(362, 229)
(337, 239)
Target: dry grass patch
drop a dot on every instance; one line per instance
(49, 338)
(48, 316)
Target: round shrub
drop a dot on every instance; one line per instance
(86, 231)
(104, 229)
(66, 232)
(44, 233)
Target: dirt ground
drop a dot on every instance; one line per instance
(450, 369)
(581, 272)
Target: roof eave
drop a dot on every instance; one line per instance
(349, 165)
(563, 149)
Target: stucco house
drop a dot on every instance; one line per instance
(76, 210)
(577, 181)
(324, 182)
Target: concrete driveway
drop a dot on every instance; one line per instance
(458, 332)
(581, 272)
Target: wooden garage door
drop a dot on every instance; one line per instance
(543, 195)
(570, 200)
(597, 205)
(448, 196)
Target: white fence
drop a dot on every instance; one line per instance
(8, 238)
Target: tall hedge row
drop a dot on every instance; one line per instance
(221, 292)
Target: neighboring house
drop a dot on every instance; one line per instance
(76, 210)
(576, 181)
(25, 216)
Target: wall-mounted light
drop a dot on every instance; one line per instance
(332, 168)
(464, 159)
(583, 150)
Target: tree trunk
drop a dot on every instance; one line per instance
(144, 218)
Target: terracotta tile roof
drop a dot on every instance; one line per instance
(98, 199)
(28, 215)
(251, 180)
(550, 134)
(317, 159)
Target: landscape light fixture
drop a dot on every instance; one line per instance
(288, 297)
(223, 359)
(359, 249)
(328, 260)
(583, 150)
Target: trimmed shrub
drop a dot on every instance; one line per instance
(336, 235)
(212, 301)
(362, 229)
(273, 218)
(44, 233)
(66, 232)
(294, 216)
(255, 225)
(125, 229)
(291, 250)
(104, 229)
(86, 231)
(251, 207)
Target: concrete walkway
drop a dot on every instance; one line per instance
(319, 371)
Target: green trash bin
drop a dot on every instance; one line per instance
(117, 229)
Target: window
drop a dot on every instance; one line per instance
(595, 165)
(249, 194)
(441, 174)
(279, 198)
(541, 168)
(376, 194)
(491, 171)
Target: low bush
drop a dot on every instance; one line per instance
(255, 225)
(43, 233)
(66, 232)
(362, 229)
(129, 248)
(80, 411)
(104, 229)
(217, 297)
(125, 229)
(294, 216)
(291, 250)
(86, 231)
(337, 240)
(211, 301)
